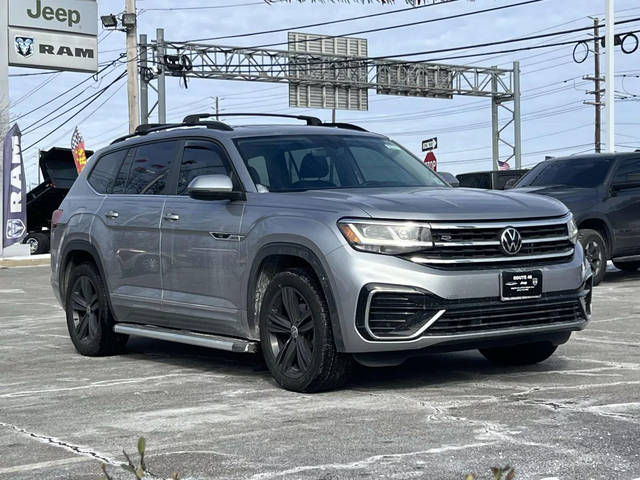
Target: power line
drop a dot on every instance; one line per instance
(29, 128)
(48, 102)
(319, 24)
(409, 24)
(95, 97)
(213, 7)
(361, 61)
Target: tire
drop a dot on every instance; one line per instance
(525, 354)
(39, 243)
(627, 266)
(595, 249)
(296, 336)
(89, 319)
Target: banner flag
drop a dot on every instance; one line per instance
(14, 215)
(79, 154)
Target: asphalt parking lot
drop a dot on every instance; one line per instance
(215, 415)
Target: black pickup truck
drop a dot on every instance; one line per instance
(603, 192)
(490, 180)
(58, 173)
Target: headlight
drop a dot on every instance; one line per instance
(389, 238)
(573, 230)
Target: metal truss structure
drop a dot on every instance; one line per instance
(335, 76)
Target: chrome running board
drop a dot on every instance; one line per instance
(190, 338)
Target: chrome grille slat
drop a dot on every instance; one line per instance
(478, 243)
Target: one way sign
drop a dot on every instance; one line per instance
(429, 145)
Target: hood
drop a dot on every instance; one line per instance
(428, 203)
(572, 197)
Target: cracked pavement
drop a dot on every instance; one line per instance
(209, 414)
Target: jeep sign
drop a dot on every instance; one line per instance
(72, 16)
(33, 48)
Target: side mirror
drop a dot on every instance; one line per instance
(510, 183)
(213, 187)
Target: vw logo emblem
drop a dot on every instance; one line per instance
(511, 241)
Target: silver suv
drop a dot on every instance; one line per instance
(319, 244)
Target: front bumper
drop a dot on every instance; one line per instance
(471, 297)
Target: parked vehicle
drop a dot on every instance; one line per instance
(450, 178)
(320, 244)
(58, 172)
(493, 180)
(603, 192)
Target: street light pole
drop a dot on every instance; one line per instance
(610, 78)
(132, 66)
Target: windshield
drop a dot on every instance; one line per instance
(570, 172)
(313, 162)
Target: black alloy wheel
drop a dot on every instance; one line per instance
(595, 250)
(86, 309)
(89, 319)
(297, 337)
(290, 327)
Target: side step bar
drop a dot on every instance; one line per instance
(191, 338)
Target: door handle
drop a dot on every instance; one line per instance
(172, 217)
(112, 214)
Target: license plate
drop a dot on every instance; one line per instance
(520, 285)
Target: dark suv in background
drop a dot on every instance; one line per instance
(603, 192)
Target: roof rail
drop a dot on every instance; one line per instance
(157, 127)
(348, 126)
(194, 119)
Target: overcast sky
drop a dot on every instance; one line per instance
(555, 121)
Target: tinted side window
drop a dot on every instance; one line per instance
(103, 174)
(629, 171)
(120, 183)
(150, 170)
(201, 159)
(376, 167)
(258, 170)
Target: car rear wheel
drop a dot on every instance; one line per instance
(627, 266)
(525, 354)
(89, 319)
(595, 249)
(38, 243)
(296, 336)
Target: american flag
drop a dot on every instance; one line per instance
(77, 147)
(503, 165)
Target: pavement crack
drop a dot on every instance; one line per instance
(56, 442)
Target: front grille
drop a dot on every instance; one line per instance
(494, 317)
(386, 314)
(464, 245)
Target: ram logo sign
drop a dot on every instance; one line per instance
(54, 34)
(24, 46)
(55, 51)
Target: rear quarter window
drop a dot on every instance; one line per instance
(103, 174)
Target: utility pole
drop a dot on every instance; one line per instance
(4, 95)
(517, 122)
(162, 81)
(597, 92)
(610, 78)
(217, 108)
(132, 66)
(144, 86)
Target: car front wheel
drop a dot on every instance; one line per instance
(296, 336)
(595, 249)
